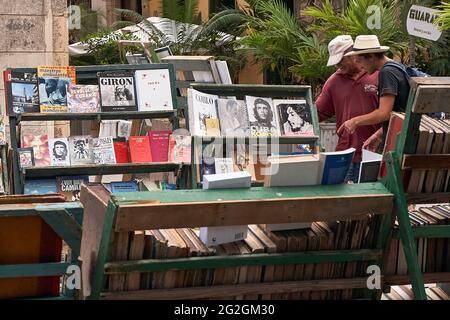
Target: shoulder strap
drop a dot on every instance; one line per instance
(399, 67)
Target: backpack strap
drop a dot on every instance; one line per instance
(399, 67)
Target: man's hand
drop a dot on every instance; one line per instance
(373, 142)
(349, 125)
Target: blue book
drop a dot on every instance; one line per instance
(124, 186)
(40, 186)
(335, 165)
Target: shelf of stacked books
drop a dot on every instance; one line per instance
(240, 127)
(122, 102)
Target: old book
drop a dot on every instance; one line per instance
(160, 252)
(201, 106)
(227, 180)
(59, 152)
(262, 117)
(244, 271)
(121, 151)
(294, 117)
(334, 166)
(180, 148)
(176, 249)
(108, 128)
(244, 161)
(117, 91)
(124, 128)
(53, 83)
(83, 98)
(370, 166)
(80, 150)
(438, 143)
(233, 116)
(120, 244)
(300, 170)
(154, 90)
(70, 186)
(40, 186)
(136, 252)
(254, 273)
(26, 158)
(140, 151)
(35, 135)
(22, 92)
(148, 253)
(159, 144)
(280, 241)
(103, 150)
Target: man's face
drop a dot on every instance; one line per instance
(60, 150)
(263, 111)
(349, 65)
(367, 62)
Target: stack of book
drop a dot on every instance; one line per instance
(405, 293)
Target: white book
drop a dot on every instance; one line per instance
(299, 170)
(153, 90)
(80, 150)
(223, 165)
(262, 117)
(103, 150)
(370, 166)
(233, 117)
(108, 128)
(201, 106)
(211, 236)
(224, 73)
(59, 151)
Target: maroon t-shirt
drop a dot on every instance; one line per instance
(347, 98)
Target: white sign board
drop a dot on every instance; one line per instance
(420, 23)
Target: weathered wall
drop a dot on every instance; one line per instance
(34, 32)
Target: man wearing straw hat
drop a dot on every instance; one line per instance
(348, 93)
(393, 88)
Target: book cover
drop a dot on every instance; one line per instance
(244, 160)
(23, 92)
(26, 159)
(212, 127)
(36, 137)
(159, 144)
(59, 151)
(121, 151)
(140, 150)
(294, 117)
(103, 150)
(370, 166)
(261, 115)
(223, 165)
(153, 90)
(83, 98)
(40, 186)
(124, 128)
(180, 148)
(53, 83)
(117, 91)
(108, 128)
(124, 186)
(202, 106)
(233, 116)
(80, 150)
(335, 165)
(70, 186)
(300, 170)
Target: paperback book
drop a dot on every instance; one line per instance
(124, 186)
(153, 89)
(40, 186)
(370, 166)
(36, 136)
(262, 118)
(22, 91)
(70, 186)
(80, 150)
(180, 148)
(140, 150)
(335, 165)
(202, 106)
(294, 117)
(159, 144)
(53, 84)
(233, 116)
(117, 91)
(59, 151)
(223, 165)
(83, 98)
(103, 150)
(121, 151)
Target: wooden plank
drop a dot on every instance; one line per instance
(428, 198)
(238, 289)
(40, 172)
(432, 98)
(65, 226)
(152, 265)
(428, 161)
(19, 198)
(225, 213)
(32, 209)
(417, 81)
(33, 270)
(433, 231)
(433, 277)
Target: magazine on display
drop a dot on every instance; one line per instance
(103, 150)
(294, 117)
(36, 136)
(233, 116)
(202, 106)
(80, 150)
(153, 90)
(59, 151)
(70, 186)
(117, 91)
(83, 98)
(53, 84)
(262, 117)
(23, 92)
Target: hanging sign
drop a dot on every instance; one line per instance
(420, 23)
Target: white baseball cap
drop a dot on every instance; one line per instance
(337, 47)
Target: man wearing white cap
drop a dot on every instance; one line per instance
(348, 93)
(393, 87)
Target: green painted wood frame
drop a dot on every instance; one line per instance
(406, 144)
(66, 220)
(88, 74)
(273, 91)
(104, 265)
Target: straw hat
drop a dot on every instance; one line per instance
(337, 47)
(366, 44)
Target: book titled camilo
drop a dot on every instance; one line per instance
(22, 92)
(70, 186)
(117, 91)
(140, 150)
(53, 83)
(159, 144)
(103, 150)
(83, 98)
(202, 106)
(335, 165)
(153, 90)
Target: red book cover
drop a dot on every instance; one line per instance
(140, 149)
(159, 144)
(395, 126)
(121, 151)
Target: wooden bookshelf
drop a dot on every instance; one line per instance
(95, 116)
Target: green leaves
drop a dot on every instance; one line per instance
(443, 21)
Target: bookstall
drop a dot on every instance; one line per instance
(86, 75)
(421, 171)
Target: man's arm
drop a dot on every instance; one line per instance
(379, 115)
(324, 104)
